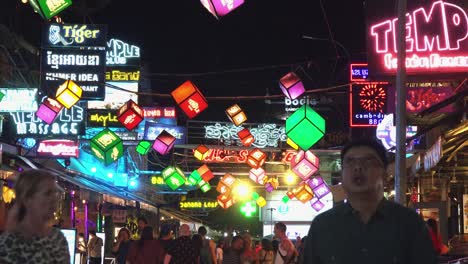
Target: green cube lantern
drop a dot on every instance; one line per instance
(143, 147)
(305, 127)
(194, 178)
(204, 186)
(173, 177)
(107, 146)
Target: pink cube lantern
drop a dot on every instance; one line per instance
(219, 8)
(305, 164)
(317, 205)
(291, 85)
(164, 143)
(49, 110)
(257, 175)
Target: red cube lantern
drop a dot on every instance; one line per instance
(236, 115)
(291, 85)
(164, 142)
(49, 110)
(246, 137)
(201, 152)
(190, 99)
(130, 115)
(205, 173)
(256, 158)
(225, 201)
(305, 164)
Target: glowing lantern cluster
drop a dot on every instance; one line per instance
(246, 137)
(226, 184)
(256, 158)
(201, 152)
(130, 115)
(236, 115)
(305, 127)
(304, 193)
(257, 175)
(291, 85)
(201, 177)
(173, 177)
(219, 8)
(68, 94)
(319, 187)
(49, 110)
(189, 99)
(143, 147)
(305, 164)
(164, 142)
(107, 146)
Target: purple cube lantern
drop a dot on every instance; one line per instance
(317, 204)
(164, 143)
(49, 110)
(269, 187)
(219, 8)
(291, 85)
(321, 190)
(315, 182)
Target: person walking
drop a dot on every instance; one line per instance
(367, 228)
(286, 253)
(146, 250)
(208, 249)
(249, 256)
(232, 255)
(95, 244)
(219, 252)
(183, 250)
(266, 254)
(82, 248)
(28, 237)
(122, 246)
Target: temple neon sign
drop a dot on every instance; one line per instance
(436, 39)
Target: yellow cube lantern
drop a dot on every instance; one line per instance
(304, 193)
(201, 152)
(292, 144)
(261, 202)
(68, 94)
(236, 115)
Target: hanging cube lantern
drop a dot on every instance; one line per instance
(305, 127)
(269, 187)
(304, 193)
(225, 184)
(261, 201)
(274, 182)
(256, 158)
(246, 137)
(1, 96)
(49, 110)
(189, 99)
(321, 190)
(130, 115)
(315, 182)
(317, 204)
(257, 175)
(292, 144)
(305, 164)
(285, 199)
(219, 8)
(107, 146)
(164, 142)
(205, 187)
(201, 152)
(143, 147)
(290, 194)
(291, 85)
(225, 201)
(205, 173)
(68, 94)
(194, 178)
(173, 177)
(255, 196)
(236, 115)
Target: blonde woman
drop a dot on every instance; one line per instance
(29, 238)
(249, 256)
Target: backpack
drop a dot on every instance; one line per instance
(205, 254)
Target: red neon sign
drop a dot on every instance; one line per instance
(159, 112)
(58, 148)
(436, 40)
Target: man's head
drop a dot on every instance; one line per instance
(364, 164)
(141, 223)
(92, 233)
(237, 243)
(202, 231)
(165, 231)
(184, 230)
(279, 230)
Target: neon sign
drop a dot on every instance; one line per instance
(57, 148)
(122, 75)
(368, 104)
(436, 40)
(159, 112)
(18, 99)
(121, 53)
(74, 35)
(102, 118)
(358, 72)
(199, 204)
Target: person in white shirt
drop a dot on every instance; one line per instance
(286, 253)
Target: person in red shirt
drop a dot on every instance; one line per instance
(146, 250)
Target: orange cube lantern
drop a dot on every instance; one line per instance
(189, 99)
(256, 158)
(225, 201)
(201, 152)
(304, 193)
(225, 184)
(130, 115)
(236, 115)
(246, 137)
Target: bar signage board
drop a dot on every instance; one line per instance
(58, 148)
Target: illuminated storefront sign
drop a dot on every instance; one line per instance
(293, 105)
(199, 204)
(153, 129)
(57, 148)
(226, 156)
(386, 133)
(266, 135)
(121, 53)
(115, 98)
(70, 122)
(159, 112)
(421, 96)
(358, 72)
(433, 155)
(102, 118)
(123, 74)
(436, 37)
(74, 35)
(18, 100)
(367, 104)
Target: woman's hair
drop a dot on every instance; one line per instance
(146, 234)
(26, 186)
(267, 245)
(123, 229)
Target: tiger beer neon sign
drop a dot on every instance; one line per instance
(436, 40)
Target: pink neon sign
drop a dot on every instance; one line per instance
(58, 148)
(436, 40)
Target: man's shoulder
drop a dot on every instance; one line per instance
(403, 212)
(331, 213)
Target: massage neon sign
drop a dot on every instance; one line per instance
(436, 40)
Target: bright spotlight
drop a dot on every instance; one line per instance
(93, 169)
(291, 178)
(242, 190)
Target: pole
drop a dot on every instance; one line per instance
(271, 218)
(400, 157)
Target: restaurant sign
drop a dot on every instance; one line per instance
(18, 100)
(202, 204)
(58, 148)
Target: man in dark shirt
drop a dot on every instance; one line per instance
(182, 250)
(367, 229)
(232, 255)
